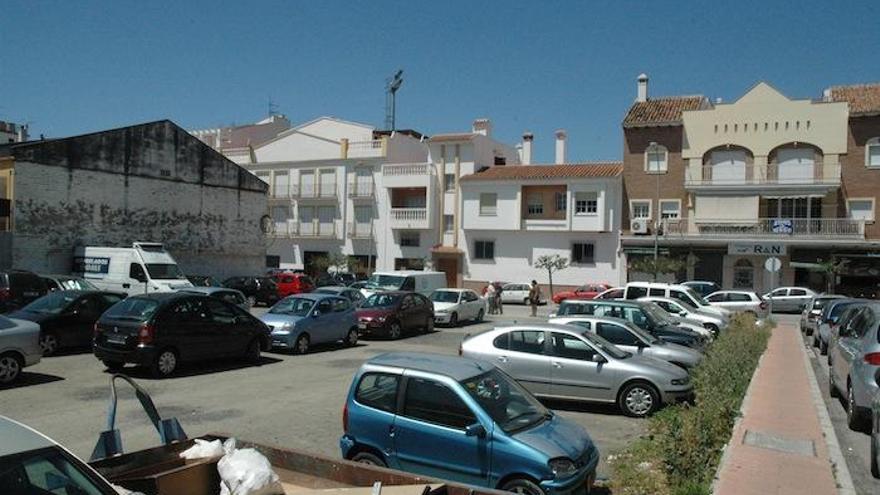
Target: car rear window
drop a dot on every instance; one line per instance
(635, 292)
(378, 390)
(736, 297)
(133, 308)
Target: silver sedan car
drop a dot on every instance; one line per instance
(562, 361)
(19, 347)
(855, 362)
(633, 339)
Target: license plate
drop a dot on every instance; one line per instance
(362, 325)
(116, 339)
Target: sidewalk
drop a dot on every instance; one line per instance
(778, 446)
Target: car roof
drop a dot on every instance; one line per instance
(550, 327)
(19, 438)
(207, 290)
(455, 367)
(338, 288)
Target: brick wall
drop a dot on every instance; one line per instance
(637, 184)
(859, 181)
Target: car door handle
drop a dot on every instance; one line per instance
(502, 359)
(557, 364)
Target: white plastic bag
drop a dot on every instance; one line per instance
(203, 449)
(246, 472)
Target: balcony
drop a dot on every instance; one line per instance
(361, 190)
(409, 218)
(407, 175)
(819, 174)
(373, 148)
(766, 228)
(544, 224)
(360, 230)
(298, 230)
(325, 191)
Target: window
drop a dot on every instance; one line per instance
(586, 203)
(448, 223)
(281, 184)
(448, 182)
(220, 313)
(571, 347)
(640, 208)
(779, 293)
(409, 239)
(582, 252)
(536, 204)
(681, 296)
(561, 201)
(324, 306)
(637, 317)
(45, 471)
(797, 292)
(657, 292)
(378, 390)
(635, 292)
(502, 341)
(488, 204)
(190, 311)
(341, 305)
(616, 334)
(136, 271)
(434, 402)
(861, 209)
(528, 341)
(743, 274)
(670, 209)
(484, 250)
(583, 324)
(655, 159)
(716, 298)
(736, 297)
(872, 152)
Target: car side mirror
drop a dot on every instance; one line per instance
(598, 358)
(475, 430)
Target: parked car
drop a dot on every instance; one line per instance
(231, 296)
(589, 291)
(739, 301)
(353, 295)
(325, 280)
(67, 317)
(568, 362)
(67, 282)
(18, 288)
(345, 278)
(809, 322)
(202, 281)
(453, 306)
(359, 285)
(702, 287)
(290, 283)
(145, 267)
(32, 463)
(463, 420)
(612, 293)
(855, 363)
(633, 339)
(301, 321)
(875, 434)
(789, 299)
(422, 282)
(19, 348)
(848, 314)
(391, 314)
(517, 293)
(829, 321)
(163, 329)
(638, 290)
(642, 315)
(681, 310)
(258, 290)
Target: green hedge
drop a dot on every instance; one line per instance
(680, 452)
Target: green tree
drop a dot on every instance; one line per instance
(832, 269)
(663, 265)
(551, 263)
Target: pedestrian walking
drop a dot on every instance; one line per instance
(534, 297)
(490, 296)
(499, 304)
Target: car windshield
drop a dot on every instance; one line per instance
(695, 297)
(48, 470)
(380, 301)
(53, 303)
(164, 271)
(509, 405)
(295, 306)
(388, 282)
(76, 284)
(605, 346)
(133, 308)
(657, 314)
(444, 296)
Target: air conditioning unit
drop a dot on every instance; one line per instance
(639, 225)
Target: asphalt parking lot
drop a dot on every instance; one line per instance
(292, 401)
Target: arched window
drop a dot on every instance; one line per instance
(656, 158)
(743, 274)
(872, 152)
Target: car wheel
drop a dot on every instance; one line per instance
(429, 325)
(164, 364)
(252, 301)
(48, 344)
(351, 339)
(302, 344)
(453, 320)
(526, 301)
(394, 331)
(523, 487)
(10, 368)
(853, 418)
(252, 353)
(113, 366)
(875, 452)
(480, 315)
(368, 458)
(638, 399)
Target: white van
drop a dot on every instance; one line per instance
(143, 268)
(414, 281)
(683, 293)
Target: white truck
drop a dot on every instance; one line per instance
(143, 268)
(423, 282)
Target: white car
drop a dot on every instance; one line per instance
(739, 301)
(638, 290)
(19, 347)
(452, 306)
(686, 312)
(516, 293)
(789, 298)
(612, 293)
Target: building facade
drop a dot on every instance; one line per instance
(718, 185)
(149, 182)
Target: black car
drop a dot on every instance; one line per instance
(258, 290)
(67, 317)
(18, 288)
(161, 330)
(202, 281)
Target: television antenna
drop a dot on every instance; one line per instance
(272, 107)
(392, 84)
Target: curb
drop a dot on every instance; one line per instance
(838, 464)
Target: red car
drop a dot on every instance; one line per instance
(391, 314)
(293, 283)
(588, 291)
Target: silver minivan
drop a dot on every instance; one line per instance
(562, 361)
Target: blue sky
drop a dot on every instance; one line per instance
(74, 67)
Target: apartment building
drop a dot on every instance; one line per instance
(721, 184)
(237, 142)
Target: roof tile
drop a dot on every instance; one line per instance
(662, 111)
(863, 99)
(568, 170)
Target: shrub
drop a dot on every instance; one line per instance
(680, 452)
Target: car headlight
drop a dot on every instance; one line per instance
(681, 381)
(562, 467)
(380, 319)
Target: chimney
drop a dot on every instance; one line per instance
(519, 153)
(482, 126)
(22, 133)
(560, 146)
(643, 87)
(527, 148)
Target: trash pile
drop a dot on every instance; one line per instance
(242, 471)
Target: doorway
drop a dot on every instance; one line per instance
(449, 266)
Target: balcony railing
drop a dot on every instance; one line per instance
(818, 173)
(366, 149)
(409, 214)
(360, 230)
(326, 190)
(822, 228)
(406, 169)
(314, 229)
(361, 189)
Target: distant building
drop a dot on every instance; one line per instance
(238, 142)
(147, 182)
(13, 133)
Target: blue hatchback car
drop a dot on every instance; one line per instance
(301, 320)
(463, 420)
